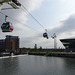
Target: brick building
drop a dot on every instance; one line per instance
(10, 44)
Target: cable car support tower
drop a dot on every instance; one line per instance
(55, 43)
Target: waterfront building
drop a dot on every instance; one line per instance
(10, 44)
(2, 45)
(69, 44)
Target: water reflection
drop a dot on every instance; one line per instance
(9, 65)
(69, 66)
(37, 65)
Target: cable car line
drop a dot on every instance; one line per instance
(32, 16)
(18, 21)
(45, 35)
(7, 25)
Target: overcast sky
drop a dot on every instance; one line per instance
(57, 16)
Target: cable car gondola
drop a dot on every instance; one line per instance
(45, 35)
(7, 26)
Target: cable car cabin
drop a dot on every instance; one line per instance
(45, 35)
(7, 27)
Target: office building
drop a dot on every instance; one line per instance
(2, 45)
(69, 44)
(10, 44)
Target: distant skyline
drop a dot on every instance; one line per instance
(57, 16)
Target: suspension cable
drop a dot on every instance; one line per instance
(19, 22)
(32, 16)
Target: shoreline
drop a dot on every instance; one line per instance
(55, 54)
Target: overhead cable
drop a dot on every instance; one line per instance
(18, 21)
(32, 16)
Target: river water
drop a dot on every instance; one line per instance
(37, 65)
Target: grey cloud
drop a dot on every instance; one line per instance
(18, 14)
(67, 25)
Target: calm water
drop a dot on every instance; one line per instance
(37, 65)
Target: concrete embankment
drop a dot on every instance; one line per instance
(57, 54)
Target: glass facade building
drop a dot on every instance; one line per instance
(2, 45)
(69, 44)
